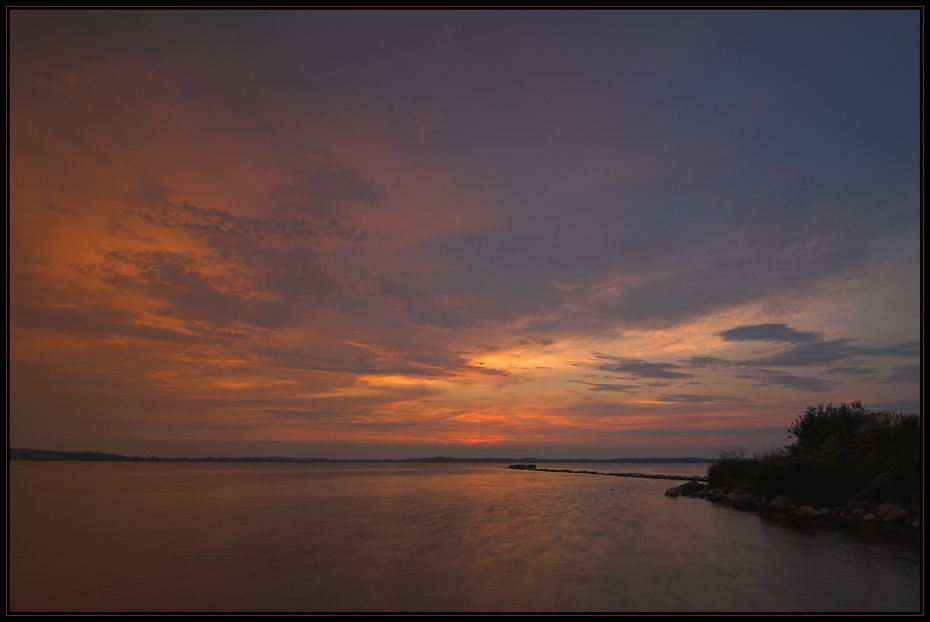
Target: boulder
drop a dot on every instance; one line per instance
(691, 488)
(781, 503)
(898, 514)
(890, 504)
(871, 495)
(740, 500)
(672, 492)
(807, 510)
(874, 493)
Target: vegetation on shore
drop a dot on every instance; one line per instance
(837, 452)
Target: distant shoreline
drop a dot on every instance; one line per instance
(44, 455)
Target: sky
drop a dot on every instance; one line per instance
(397, 234)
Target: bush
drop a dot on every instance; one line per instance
(838, 451)
(730, 472)
(827, 429)
(812, 480)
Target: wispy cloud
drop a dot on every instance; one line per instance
(639, 368)
(702, 399)
(771, 377)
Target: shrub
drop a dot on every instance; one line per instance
(813, 480)
(837, 452)
(729, 472)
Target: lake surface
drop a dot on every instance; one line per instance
(397, 537)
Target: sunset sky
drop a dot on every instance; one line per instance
(503, 233)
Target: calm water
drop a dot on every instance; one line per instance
(407, 537)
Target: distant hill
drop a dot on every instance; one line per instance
(44, 454)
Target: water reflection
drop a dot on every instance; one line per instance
(409, 537)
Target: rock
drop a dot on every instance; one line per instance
(691, 488)
(807, 510)
(898, 514)
(889, 505)
(891, 516)
(872, 494)
(781, 503)
(740, 500)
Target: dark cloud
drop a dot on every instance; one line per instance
(351, 234)
(909, 349)
(149, 191)
(632, 268)
(408, 360)
(612, 388)
(639, 368)
(179, 285)
(62, 210)
(322, 192)
(701, 399)
(304, 226)
(814, 353)
(95, 321)
(704, 362)
(119, 230)
(688, 275)
(174, 284)
(535, 340)
(836, 351)
(852, 370)
(771, 377)
(420, 307)
(100, 158)
(216, 222)
(350, 409)
(768, 332)
(811, 349)
(340, 186)
(909, 374)
(294, 274)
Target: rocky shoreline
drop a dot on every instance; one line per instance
(871, 510)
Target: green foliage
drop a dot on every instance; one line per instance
(827, 429)
(837, 452)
